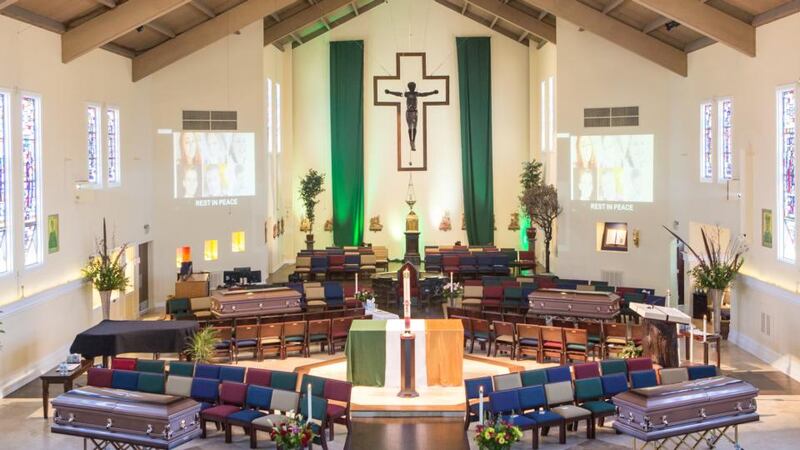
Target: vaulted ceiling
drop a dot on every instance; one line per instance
(156, 33)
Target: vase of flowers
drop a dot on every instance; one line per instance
(716, 268)
(294, 434)
(106, 272)
(367, 299)
(496, 435)
(452, 291)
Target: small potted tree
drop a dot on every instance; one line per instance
(310, 188)
(541, 204)
(531, 176)
(200, 346)
(106, 272)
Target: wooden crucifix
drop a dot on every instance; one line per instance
(415, 87)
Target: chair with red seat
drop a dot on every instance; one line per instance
(643, 363)
(553, 343)
(526, 261)
(338, 395)
(100, 377)
(492, 297)
(231, 399)
(450, 264)
(340, 327)
(586, 370)
(335, 264)
(123, 363)
(259, 377)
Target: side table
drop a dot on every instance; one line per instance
(66, 379)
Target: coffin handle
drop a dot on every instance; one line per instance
(664, 421)
(109, 423)
(703, 413)
(149, 429)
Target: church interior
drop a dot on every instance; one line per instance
(399, 224)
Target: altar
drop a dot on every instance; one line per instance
(373, 352)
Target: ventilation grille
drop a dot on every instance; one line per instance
(209, 120)
(618, 116)
(612, 277)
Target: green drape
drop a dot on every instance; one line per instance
(347, 141)
(475, 96)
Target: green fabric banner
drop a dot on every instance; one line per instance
(475, 96)
(347, 141)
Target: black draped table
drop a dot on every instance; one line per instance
(114, 337)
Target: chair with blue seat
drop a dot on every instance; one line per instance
(467, 265)
(231, 373)
(205, 391)
(206, 371)
(352, 263)
(334, 295)
(245, 338)
(125, 379)
(433, 262)
(283, 380)
(500, 264)
(257, 401)
(181, 368)
(612, 366)
(319, 265)
(294, 338)
(703, 371)
(534, 377)
(505, 406)
(614, 384)
(472, 389)
(232, 397)
(481, 333)
(529, 341)
(558, 373)
(643, 379)
(589, 395)
(532, 404)
(485, 264)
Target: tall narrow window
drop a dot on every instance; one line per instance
(725, 127)
(114, 159)
(31, 172)
(278, 117)
(787, 193)
(543, 114)
(269, 115)
(5, 222)
(551, 114)
(706, 142)
(93, 143)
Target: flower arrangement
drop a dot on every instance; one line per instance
(364, 295)
(496, 435)
(452, 290)
(630, 351)
(717, 266)
(106, 271)
(293, 434)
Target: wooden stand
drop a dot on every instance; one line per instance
(309, 242)
(412, 248)
(661, 342)
(407, 374)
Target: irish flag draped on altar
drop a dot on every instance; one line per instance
(373, 352)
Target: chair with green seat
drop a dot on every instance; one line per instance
(482, 334)
(283, 380)
(589, 394)
(181, 368)
(150, 365)
(534, 377)
(612, 366)
(179, 309)
(151, 382)
(317, 385)
(577, 344)
(512, 298)
(318, 416)
(294, 338)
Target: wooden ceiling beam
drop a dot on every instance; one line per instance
(204, 34)
(159, 28)
(7, 3)
(617, 32)
(778, 12)
(23, 15)
(113, 24)
(655, 24)
(355, 7)
(203, 8)
(612, 6)
(707, 21)
(517, 18)
(108, 3)
(301, 19)
(697, 44)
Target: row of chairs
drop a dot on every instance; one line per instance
(268, 336)
(468, 266)
(335, 261)
(540, 398)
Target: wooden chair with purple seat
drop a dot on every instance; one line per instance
(245, 338)
(529, 341)
(232, 398)
(338, 394)
(340, 328)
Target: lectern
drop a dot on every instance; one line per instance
(661, 339)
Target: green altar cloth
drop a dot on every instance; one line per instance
(366, 353)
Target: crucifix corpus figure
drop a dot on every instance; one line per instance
(411, 108)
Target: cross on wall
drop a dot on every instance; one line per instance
(411, 67)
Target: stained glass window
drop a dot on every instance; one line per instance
(31, 170)
(5, 254)
(787, 120)
(93, 143)
(112, 125)
(706, 141)
(725, 116)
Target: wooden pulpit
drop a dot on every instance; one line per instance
(661, 338)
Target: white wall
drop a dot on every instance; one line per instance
(227, 75)
(402, 26)
(43, 306)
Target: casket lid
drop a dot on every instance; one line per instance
(571, 294)
(697, 392)
(122, 402)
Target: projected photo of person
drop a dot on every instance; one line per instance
(190, 181)
(190, 152)
(213, 164)
(584, 167)
(612, 168)
(213, 183)
(240, 162)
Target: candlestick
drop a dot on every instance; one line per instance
(691, 343)
(451, 279)
(356, 290)
(480, 405)
(704, 328)
(407, 299)
(309, 403)
(678, 333)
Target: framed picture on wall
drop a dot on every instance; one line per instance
(766, 228)
(615, 237)
(52, 233)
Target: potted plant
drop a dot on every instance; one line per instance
(106, 272)
(716, 268)
(496, 435)
(630, 350)
(531, 176)
(541, 204)
(310, 188)
(293, 434)
(201, 345)
(366, 298)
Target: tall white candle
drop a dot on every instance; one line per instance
(407, 298)
(678, 333)
(691, 343)
(704, 328)
(356, 290)
(480, 405)
(451, 279)
(309, 403)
